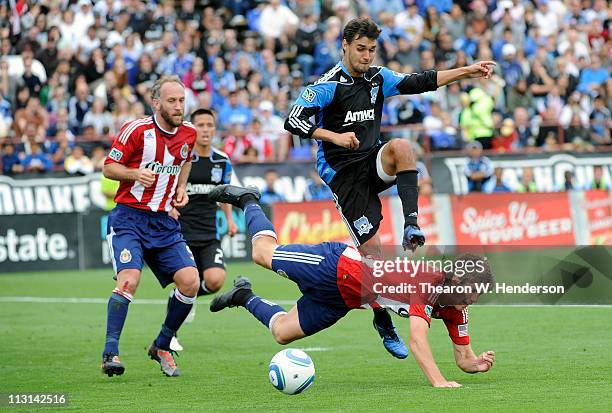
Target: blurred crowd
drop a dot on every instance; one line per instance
(73, 72)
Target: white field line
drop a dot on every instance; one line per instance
(81, 300)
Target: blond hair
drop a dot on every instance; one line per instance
(155, 90)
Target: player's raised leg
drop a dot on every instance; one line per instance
(285, 327)
(396, 158)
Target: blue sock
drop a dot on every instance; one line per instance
(115, 319)
(257, 222)
(178, 309)
(263, 310)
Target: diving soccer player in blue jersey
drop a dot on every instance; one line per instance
(347, 104)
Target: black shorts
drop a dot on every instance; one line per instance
(356, 190)
(207, 255)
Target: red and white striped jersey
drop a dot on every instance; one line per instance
(142, 143)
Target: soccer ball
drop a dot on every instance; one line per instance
(291, 371)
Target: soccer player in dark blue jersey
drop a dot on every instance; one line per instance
(347, 104)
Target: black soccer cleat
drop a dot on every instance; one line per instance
(112, 365)
(231, 194)
(227, 299)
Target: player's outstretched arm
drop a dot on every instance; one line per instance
(480, 69)
(119, 172)
(469, 362)
(419, 345)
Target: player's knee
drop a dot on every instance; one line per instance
(189, 285)
(214, 281)
(280, 333)
(281, 337)
(401, 149)
(128, 281)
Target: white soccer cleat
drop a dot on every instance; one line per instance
(175, 345)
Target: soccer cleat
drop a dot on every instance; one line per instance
(165, 360)
(112, 365)
(413, 237)
(392, 342)
(226, 300)
(175, 345)
(231, 194)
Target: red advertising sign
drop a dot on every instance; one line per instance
(319, 221)
(598, 206)
(513, 219)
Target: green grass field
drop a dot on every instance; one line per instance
(548, 358)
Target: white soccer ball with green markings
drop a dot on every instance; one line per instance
(291, 371)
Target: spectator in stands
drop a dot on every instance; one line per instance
(496, 183)
(327, 51)
(507, 140)
(574, 119)
(568, 181)
(477, 119)
(526, 184)
(98, 156)
(599, 180)
(63, 147)
(11, 164)
(591, 78)
(437, 126)
(78, 106)
(234, 112)
(316, 189)
(30, 80)
(275, 19)
(37, 160)
(32, 114)
(306, 37)
(99, 117)
(519, 96)
(478, 169)
(269, 195)
(601, 123)
(77, 163)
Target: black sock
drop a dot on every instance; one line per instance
(203, 290)
(242, 296)
(408, 191)
(246, 199)
(383, 318)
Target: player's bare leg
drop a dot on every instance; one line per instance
(397, 159)
(263, 249)
(286, 328)
(127, 283)
(213, 280)
(187, 283)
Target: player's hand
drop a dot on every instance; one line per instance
(485, 361)
(447, 384)
(232, 229)
(174, 213)
(181, 198)
(146, 177)
(481, 69)
(346, 140)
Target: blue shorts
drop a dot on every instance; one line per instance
(137, 236)
(314, 269)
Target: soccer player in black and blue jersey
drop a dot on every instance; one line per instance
(347, 104)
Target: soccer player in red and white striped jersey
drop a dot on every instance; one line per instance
(151, 157)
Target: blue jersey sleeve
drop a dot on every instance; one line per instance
(227, 173)
(312, 99)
